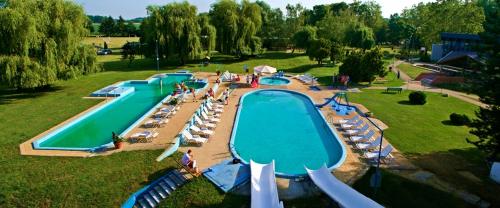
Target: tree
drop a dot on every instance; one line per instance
(487, 125)
(398, 30)
(294, 19)
(319, 50)
(336, 52)
(335, 26)
(130, 29)
(431, 19)
(273, 30)
(360, 36)
(363, 66)
(303, 37)
(175, 27)
(250, 23)
(130, 50)
(89, 25)
(120, 27)
(225, 17)
(208, 33)
(40, 43)
(107, 26)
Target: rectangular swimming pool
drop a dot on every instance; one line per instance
(94, 129)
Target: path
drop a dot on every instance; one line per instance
(416, 85)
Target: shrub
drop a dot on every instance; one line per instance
(459, 119)
(417, 98)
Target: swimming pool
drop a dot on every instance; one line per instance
(274, 81)
(93, 129)
(284, 126)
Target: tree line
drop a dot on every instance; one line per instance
(110, 27)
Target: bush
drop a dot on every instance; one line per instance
(459, 119)
(417, 98)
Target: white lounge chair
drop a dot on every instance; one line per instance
(193, 139)
(145, 136)
(214, 104)
(363, 138)
(210, 113)
(211, 119)
(353, 132)
(157, 122)
(356, 124)
(386, 153)
(204, 124)
(202, 132)
(346, 121)
(213, 109)
(371, 145)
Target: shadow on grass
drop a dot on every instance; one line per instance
(405, 102)
(449, 123)
(9, 95)
(463, 168)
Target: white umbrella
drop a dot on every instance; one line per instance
(264, 69)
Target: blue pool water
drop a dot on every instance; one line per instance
(284, 126)
(94, 129)
(274, 81)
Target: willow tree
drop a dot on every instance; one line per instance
(237, 26)
(225, 17)
(174, 27)
(208, 33)
(40, 43)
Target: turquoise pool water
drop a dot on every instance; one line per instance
(274, 81)
(94, 128)
(285, 126)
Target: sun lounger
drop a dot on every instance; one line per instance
(202, 132)
(354, 125)
(155, 123)
(203, 123)
(353, 132)
(213, 109)
(371, 145)
(346, 121)
(386, 153)
(144, 137)
(210, 119)
(210, 113)
(215, 104)
(192, 139)
(363, 138)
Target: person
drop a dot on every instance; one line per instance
(194, 94)
(253, 77)
(248, 79)
(182, 84)
(218, 72)
(226, 96)
(217, 81)
(210, 92)
(237, 79)
(399, 74)
(187, 160)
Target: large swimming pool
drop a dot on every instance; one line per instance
(284, 126)
(93, 129)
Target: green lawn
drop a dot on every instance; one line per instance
(424, 135)
(30, 181)
(411, 70)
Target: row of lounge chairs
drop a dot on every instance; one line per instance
(157, 120)
(364, 139)
(203, 123)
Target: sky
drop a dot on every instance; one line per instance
(129, 9)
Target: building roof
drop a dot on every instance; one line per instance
(463, 36)
(453, 55)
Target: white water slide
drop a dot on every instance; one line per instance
(264, 189)
(342, 193)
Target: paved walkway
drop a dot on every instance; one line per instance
(416, 85)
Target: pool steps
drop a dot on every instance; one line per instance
(152, 194)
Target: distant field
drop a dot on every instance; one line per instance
(113, 42)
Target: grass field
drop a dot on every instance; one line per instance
(411, 70)
(29, 181)
(113, 42)
(424, 134)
